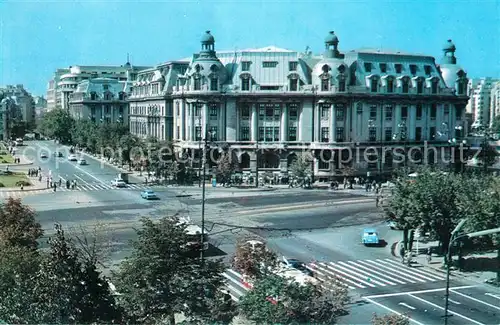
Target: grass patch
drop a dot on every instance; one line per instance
(13, 180)
(6, 158)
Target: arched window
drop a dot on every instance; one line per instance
(214, 83)
(325, 83)
(290, 159)
(245, 161)
(341, 84)
(390, 85)
(269, 160)
(420, 86)
(196, 83)
(374, 85)
(405, 86)
(434, 86)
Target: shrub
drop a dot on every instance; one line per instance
(1, 185)
(3, 153)
(4, 161)
(23, 183)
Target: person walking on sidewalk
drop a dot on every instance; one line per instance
(429, 255)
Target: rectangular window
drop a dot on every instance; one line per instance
(446, 109)
(177, 109)
(406, 86)
(433, 111)
(418, 133)
(276, 132)
(277, 113)
(294, 84)
(420, 87)
(292, 65)
(197, 133)
(293, 111)
(245, 65)
(340, 113)
(368, 67)
(292, 134)
(388, 113)
(339, 134)
(325, 111)
(434, 87)
(341, 85)
(383, 67)
(269, 64)
(213, 111)
(245, 112)
(325, 133)
(214, 84)
(432, 134)
(390, 85)
(372, 135)
(323, 165)
(388, 134)
(458, 113)
(374, 85)
(419, 111)
(269, 134)
(261, 133)
(427, 69)
(359, 109)
(404, 112)
(373, 113)
(325, 85)
(413, 69)
(197, 84)
(398, 67)
(245, 133)
(213, 133)
(245, 84)
(197, 109)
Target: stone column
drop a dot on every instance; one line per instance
(284, 124)
(333, 123)
(205, 120)
(182, 118)
(254, 128)
(192, 126)
(316, 123)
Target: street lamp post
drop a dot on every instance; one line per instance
(203, 191)
(453, 238)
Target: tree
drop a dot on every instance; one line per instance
(68, 288)
(300, 168)
(495, 125)
(278, 300)
(57, 124)
(160, 279)
(226, 166)
(18, 226)
(390, 319)
(253, 259)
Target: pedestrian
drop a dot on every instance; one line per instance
(60, 181)
(402, 253)
(67, 184)
(47, 182)
(22, 187)
(146, 181)
(377, 201)
(429, 255)
(40, 178)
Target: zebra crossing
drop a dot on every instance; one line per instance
(355, 275)
(102, 187)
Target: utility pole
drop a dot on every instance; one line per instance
(204, 161)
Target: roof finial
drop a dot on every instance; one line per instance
(128, 57)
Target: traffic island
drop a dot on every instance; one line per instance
(10, 179)
(6, 158)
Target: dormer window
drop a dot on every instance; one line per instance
(427, 69)
(368, 67)
(325, 84)
(405, 89)
(390, 85)
(93, 96)
(245, 65)
(383, 67)
(294, 84)
(420, 86)
(197, 68)
(413, 69)
(398, 67)
(197, 83)
(341, 85)
(434, 86)
(292, 66)
(214, 84)
(245, 83)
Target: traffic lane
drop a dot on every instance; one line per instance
(279, 199)
(473, 309)
(486, 293)
(335, 215)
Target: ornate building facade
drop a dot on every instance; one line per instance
(269, 105)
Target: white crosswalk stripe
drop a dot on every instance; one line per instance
(101, 187)
(357, 274)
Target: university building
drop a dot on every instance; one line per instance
(269, 105)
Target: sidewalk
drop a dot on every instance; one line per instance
(437, 262)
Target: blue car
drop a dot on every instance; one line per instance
(149, 195)
(370, 237)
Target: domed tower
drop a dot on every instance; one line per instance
(453, 75)
(207, 68)
(331, 70)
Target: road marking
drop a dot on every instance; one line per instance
(367, 273)
(332, 267)
(327, 280)
(81, 179)
(492, 295)
(346, 269)
(476, 300)
(372, 271)
(303, 206)
(392, 270)
(391, 310)
(416, 271)
(382, 268)
(417, 292)
(338, 276)
(453, 301)
(450, 311)
(237, 283)
(86, 172)
(407, 306)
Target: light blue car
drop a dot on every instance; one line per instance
(370, 237)
(149, 195)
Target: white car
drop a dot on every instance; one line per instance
(72, 158)
(118, 183)
(43, 155)
(82, 162)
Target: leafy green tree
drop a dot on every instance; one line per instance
(300, 168)
(160, 279)
(18, 225)
(57, 124)
(126, 144)
(226, 166)
(390, 319)
(253, 259)
(84, 131)
(278, 300)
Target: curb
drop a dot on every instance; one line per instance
(17, 165)
(11, 189)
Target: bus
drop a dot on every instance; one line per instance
(194, 235)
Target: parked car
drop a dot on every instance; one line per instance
(72, 158)
(297, 265)
(149, 195)
(118, 183)
(370, 237)
(82, 162)
(59, 154)
(44, 155)
(394, 225)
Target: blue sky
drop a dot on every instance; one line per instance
(36, 37)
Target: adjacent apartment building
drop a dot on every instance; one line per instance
(479, 107)
(23, 100)
(495, 101)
